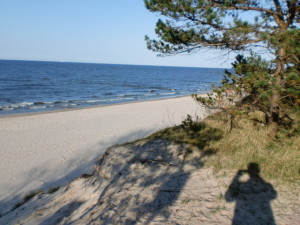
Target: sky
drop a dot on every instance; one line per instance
(96, 31)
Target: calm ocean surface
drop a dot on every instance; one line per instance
(31, 86)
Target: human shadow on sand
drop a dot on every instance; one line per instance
(252, 198)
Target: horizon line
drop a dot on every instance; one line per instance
(61, 61)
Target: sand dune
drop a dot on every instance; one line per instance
(155, 181)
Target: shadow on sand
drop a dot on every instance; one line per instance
(15, 207)
(144, 179)
(252, 198)
(62, 213)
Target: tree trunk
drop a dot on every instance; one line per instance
(274, 111)
(275, 98)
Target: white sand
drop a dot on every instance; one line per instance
(49, 149)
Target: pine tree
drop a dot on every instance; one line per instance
(235, 25)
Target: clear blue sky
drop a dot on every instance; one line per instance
(86, 31)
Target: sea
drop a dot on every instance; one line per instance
(36, 86)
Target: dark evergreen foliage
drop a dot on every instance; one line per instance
(190, 25)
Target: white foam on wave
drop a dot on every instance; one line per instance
(6, 108)
(68, 105)
(38, 107)
(168, 93)
(114, 99)
(125, 98)
(94, 101)
(22, 104)
(16, 105)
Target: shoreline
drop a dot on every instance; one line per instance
(13, 115)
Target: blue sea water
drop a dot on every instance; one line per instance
(32, 86)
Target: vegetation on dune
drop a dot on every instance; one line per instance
(196, 134)
(247, 142)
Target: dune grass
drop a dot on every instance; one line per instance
(248, 141)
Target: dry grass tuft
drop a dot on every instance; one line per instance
(250, 142)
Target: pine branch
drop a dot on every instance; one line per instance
(250, 8)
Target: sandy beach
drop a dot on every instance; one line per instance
(40, 151)
(77, 178)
